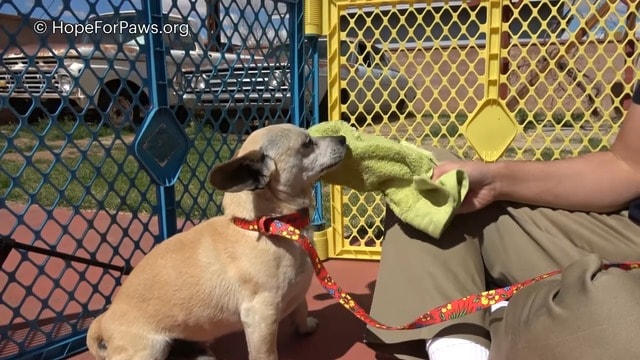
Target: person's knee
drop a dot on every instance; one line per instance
(554, 319)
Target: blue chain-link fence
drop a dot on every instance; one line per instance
(111, 115)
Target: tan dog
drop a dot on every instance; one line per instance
(217, 278)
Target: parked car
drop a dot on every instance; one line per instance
(105, 64)
(242, 83)
(111, 67)
(370, 84)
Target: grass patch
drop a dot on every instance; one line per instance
(109, 177)
(443, 123)
(47, 134)
(115, 182)
(547, 152)
(532, 121)
(459, 118)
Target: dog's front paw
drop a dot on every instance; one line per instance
(310, 326)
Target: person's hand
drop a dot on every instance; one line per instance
(482, 187)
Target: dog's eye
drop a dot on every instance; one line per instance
(308, 143)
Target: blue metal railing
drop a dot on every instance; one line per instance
(106, 140)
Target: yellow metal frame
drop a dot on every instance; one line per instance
(313, 24)
(492, 128)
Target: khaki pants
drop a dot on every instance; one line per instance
(585, 313)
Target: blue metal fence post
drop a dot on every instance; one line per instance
(68, 203)
(296, 35)
(298, 79)
(318, 215)
(158, 90)
(297, 61)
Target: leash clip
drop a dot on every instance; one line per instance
(264, 224)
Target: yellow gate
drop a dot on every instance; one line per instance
(486, 79)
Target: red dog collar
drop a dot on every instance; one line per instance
(287, 226)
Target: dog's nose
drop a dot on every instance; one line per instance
(342, 140)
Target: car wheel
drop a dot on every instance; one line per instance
(21, 109)
(323, 114)
(120, 111)
(182, 114)
(401, 108)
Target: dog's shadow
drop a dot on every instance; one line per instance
(338, 331)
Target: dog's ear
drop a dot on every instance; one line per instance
(250, 171)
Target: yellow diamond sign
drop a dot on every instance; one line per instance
(490, 130)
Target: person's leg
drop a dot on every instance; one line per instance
(418, 273)
(588, 314)
(557, 317)
(525, 242)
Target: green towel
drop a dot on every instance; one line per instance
(402, 172)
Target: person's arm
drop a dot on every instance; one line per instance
(601, 181)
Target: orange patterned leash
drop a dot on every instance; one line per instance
(288, 226)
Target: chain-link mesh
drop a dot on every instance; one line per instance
(430, 74)
(78, 206)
